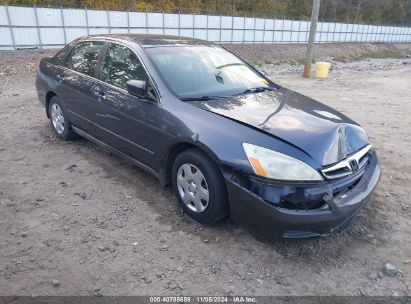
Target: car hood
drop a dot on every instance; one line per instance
(325, 134)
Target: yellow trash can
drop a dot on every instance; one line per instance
(321, 69)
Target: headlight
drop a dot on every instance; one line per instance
(275, 165)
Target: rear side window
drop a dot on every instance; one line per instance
(121, 65)
(84, 57)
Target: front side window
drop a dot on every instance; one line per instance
(84, 57)
(121, 65)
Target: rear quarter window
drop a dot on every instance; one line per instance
(61, 56)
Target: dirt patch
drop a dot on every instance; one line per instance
(73, 213)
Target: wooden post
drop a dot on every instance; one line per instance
(311, 39)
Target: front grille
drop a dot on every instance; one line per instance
(349, 165)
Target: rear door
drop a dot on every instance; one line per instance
(77, 79)
(133, 124)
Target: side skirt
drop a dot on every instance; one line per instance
(114, 151)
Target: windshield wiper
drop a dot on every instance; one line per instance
(215, 97)
(228, 65)
(207, 97)
(256, 90)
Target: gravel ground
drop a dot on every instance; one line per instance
(75, 220)
(278, 53)
(368, 65)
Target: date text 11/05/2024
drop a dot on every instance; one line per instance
(205, 299)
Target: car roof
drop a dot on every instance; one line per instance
(149, 40)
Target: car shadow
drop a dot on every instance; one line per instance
(329, 250)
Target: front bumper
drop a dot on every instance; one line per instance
(269, 222)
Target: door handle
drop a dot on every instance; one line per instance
(102, 96)
(60, 77)
(99, 94)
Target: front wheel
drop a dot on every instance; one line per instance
(59, 121)
(200, 187)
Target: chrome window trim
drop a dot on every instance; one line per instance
(104, 41)
(345, 164)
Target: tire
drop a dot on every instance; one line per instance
(195, 166)
(59, 121)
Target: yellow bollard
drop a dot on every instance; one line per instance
(321, 69)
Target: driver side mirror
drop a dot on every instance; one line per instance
(137, 88)
(140, 89)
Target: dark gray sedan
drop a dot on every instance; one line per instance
(229, 140)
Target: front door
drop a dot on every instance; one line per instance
(133, 124)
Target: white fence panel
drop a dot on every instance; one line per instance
(49, 17)
(74, 33)
(98, 31)
(3, 16)
(22, 27)
(26, 36)
(227, 22)
(187, 21)
(200, 21)
(155, 31)
(269, 24)
(249, 23)
(138, 20)
(22, 16)
(74, 17)
(171, 21)
(213, 22)
(118, 30)
(6, 41)
(187, 33)
(118, 19)
(155, 20)
(200, 34)
(171, 31)
(97, 18)
(238, 22)
(259, 24)
(226, 36)
(138, 31)
(52, 36)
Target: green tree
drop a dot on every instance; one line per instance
(396, 13)
(365, 11)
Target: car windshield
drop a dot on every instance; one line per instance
(204, 72)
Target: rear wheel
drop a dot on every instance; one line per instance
(200, 187)
(59, 122)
